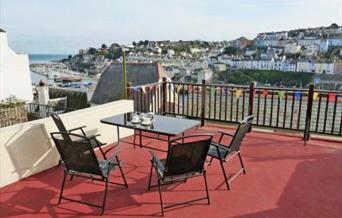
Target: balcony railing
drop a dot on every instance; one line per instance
(304, 110)
(21, 112)
(39, 111)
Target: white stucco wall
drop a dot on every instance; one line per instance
(27, 148)
(15, 78)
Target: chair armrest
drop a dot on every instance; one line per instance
(115, 155)
(93, 136)
(95, 142)
(156, 160)
(220, 146)
(77, 128)
(225, 133)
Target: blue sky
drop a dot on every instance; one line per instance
(65, 26)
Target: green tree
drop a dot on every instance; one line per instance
(230, 51)
(333, 26)
(92, 51)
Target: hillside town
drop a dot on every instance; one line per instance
(315, 50)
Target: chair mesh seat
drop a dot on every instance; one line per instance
(223, 152)
(79, 159)
(95, 143)
(185, 159)
(213, 151)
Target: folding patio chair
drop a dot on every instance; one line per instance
(80, 160)
(94, 141)
(224, 153)
(185, 159)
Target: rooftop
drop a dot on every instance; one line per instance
(109, 87)
(284, 179)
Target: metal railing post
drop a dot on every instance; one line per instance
(164, 94)
(308, 113)
(203, 97)
(129, 85)
(251, 100)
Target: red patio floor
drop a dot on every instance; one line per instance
(284, 179)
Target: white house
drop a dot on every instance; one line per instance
(291, 48)
(194, 50)
(324, 45)
(311, 50)
(206, 74)
(325, 68)
(335, 42)
(338, 68)
(305, 66)
(15, 76)
(289, 66)
(220, 67)
(278, 65)
(250, 52)
(308, 41)
(170, 52)
(224, 59)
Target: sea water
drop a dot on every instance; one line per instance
(41, 59)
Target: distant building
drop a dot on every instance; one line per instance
(311, 50)
(259, 43)
(321, 68)
(15, 76)
(289, 66)
(308, 41)
(220, 67)
(324, 68)
(338, 68)
(325, 44)
(250, 52)
(206, 74)
(305, 66)
(240, 43)
(292, 48)
(335, 42)
(170, 52)
(271, 39)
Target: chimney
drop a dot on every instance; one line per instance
(43, 93)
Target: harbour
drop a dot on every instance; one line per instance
(47, 68)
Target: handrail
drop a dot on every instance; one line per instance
(149, 84)
(273, 107)
(240, 86)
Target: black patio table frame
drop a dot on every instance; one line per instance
(161, 125)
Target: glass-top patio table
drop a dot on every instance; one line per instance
(161, 125)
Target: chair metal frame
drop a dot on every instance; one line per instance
(164, 179)
(61, 127)
(232, 149)
(103, 177)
